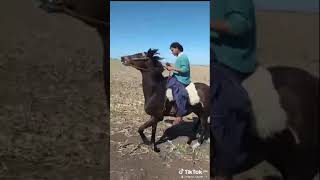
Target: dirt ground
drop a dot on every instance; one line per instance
(53, 117)
(129, 158)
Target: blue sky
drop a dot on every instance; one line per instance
(138, 26)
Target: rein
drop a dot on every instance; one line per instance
(144, 69)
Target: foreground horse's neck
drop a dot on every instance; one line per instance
(152, 82)
(154, 86)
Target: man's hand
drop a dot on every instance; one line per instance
(220, 26)
(170, 68)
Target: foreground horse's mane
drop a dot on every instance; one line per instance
(153, 53)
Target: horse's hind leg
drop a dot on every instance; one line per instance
(205, 128)
(294, 162)
(162, 139)
(147, 124)
(195, 128)
(190, 139)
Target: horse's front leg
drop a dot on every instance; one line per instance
(153, 137)
(144, 126)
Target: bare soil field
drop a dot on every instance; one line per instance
(129, 158)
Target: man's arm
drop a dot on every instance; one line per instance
(172, 68)
(220, 26)
(234, 25)
(238, 18)
(184, 66)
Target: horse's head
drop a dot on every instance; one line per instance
(54, 5)
(91, 12)
(144, 60)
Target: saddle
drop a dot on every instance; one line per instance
(193, 96)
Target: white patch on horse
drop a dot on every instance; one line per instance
(192, 92)
(169, 94)
(270, 117)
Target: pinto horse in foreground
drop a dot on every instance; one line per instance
(284, 119)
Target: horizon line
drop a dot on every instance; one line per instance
(116, 59)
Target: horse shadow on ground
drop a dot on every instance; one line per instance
(186, 128)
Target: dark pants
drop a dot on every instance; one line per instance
(230, 125)
(180, 95)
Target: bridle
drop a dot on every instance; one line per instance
(140, 68)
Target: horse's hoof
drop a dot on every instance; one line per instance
(195, 146)
(156, 149)
(189, 142)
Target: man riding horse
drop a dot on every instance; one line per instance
(234, 59)
(179, 80)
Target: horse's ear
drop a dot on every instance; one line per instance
(152, 52)
(149, 52)
(157, 58)
(155, 51)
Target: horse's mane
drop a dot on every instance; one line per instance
(155, 56)
(153, 53)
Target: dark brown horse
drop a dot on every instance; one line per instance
(295, 150)
(156, 104)
(92, 12)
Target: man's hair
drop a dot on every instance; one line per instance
(176, 45)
